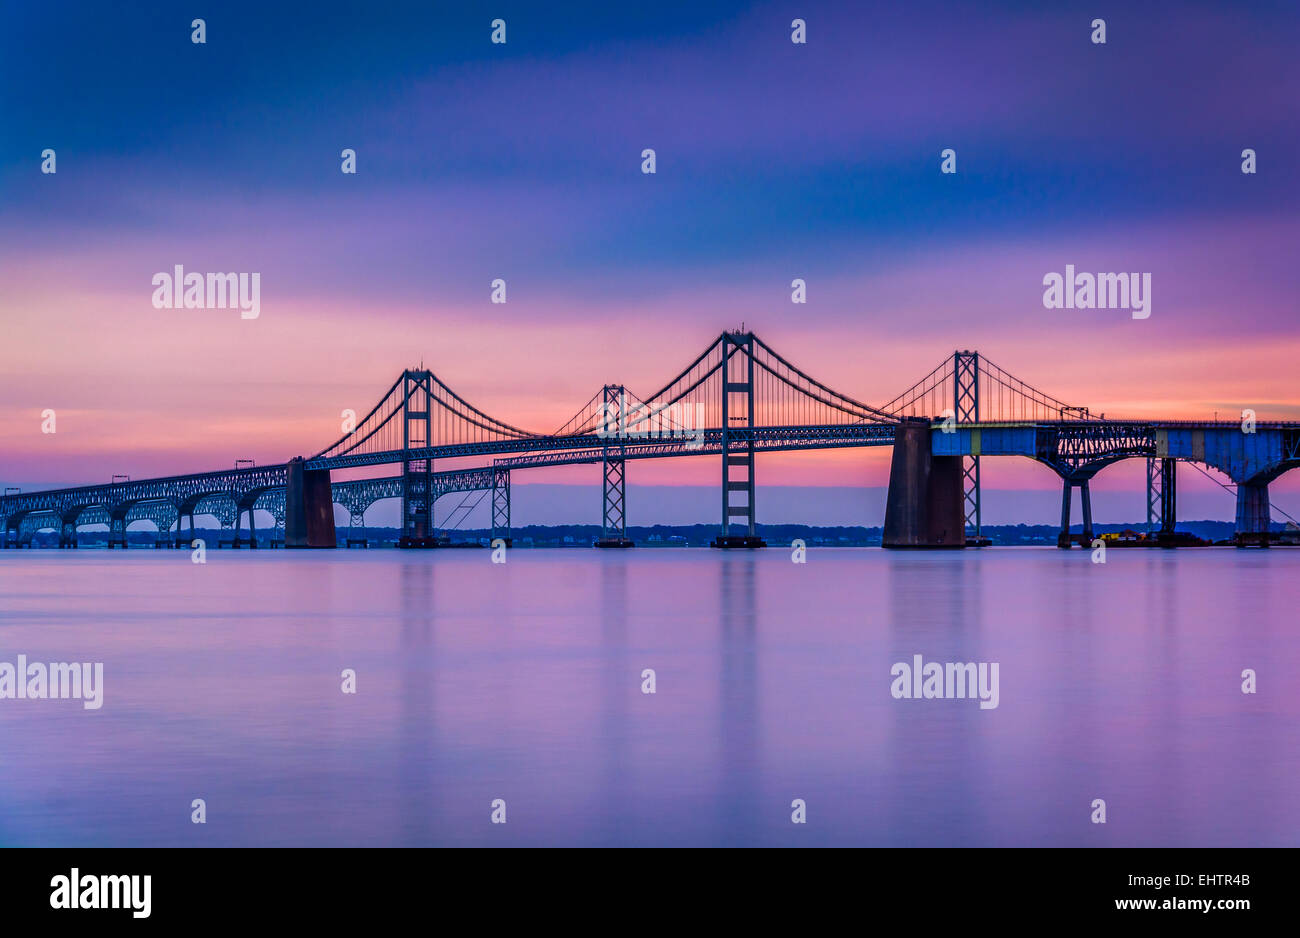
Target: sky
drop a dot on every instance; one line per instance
(522, 161)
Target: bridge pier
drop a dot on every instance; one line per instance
(613, 516)
(1168, 496)
(417, 505)
(117, 532)
(1063, 539)
(1253, 515)
(1162, 499)
(501, 505)
(309, 507)
(68, 535)
(181, 539)
(239, 527)
(613, 522)
(925, 506)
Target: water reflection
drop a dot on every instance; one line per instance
(1119, 681)
(740, 740)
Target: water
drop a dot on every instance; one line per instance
(523, 682)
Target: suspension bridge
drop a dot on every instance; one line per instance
(737, 399)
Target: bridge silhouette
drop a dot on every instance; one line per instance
(737, 399)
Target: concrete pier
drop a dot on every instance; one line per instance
(925, 503)
(308, 507)
(1252, 514)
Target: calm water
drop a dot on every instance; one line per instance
(522, 681)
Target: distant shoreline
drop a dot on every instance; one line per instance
(652, 536)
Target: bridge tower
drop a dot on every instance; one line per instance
(613, 521)
(417, 474)
(966, 409)
(737, 374)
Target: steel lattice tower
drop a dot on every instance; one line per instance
(417, 474)
(738, 410)
(613, 522)
(966, 409)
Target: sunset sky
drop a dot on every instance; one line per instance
(522, 161)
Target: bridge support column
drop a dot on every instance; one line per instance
(68, 535)
(1253, 515)
(613, 515)
(501, 505)
(1063, 536)
(1153, 495)
(1063, 539)
(966, 409)
(417, 505)
(116, 532)
(356, 506)
(926, 502)
(1168, 496)
(252, 528)
(309, 507)
(613, 521)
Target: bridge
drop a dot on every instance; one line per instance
(737, 399)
